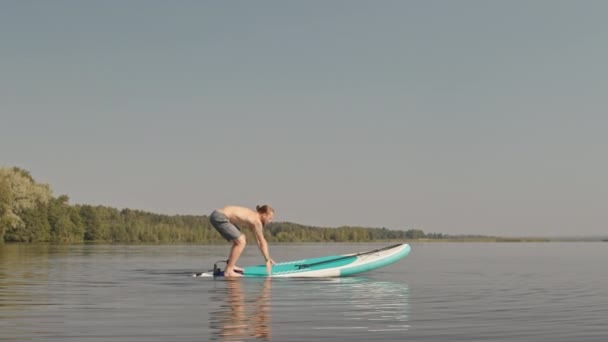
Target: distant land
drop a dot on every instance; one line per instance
(580, 238)
(30, 213)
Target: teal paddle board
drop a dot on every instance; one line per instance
(327, 266)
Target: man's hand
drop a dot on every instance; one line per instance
(269, 264)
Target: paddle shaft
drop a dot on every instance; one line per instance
(346, 257)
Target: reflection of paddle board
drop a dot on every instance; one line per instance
(329, 266)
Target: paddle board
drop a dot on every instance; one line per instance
(328, 266)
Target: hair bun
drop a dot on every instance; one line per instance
(263, 209)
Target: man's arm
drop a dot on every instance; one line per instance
(259, 236)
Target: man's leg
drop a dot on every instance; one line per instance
(238, 246)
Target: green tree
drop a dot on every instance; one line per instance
(66, 224)
(20, 194)
(5, 205)
(414, 234)
(91, 223)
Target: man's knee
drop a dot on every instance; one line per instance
(241, 240)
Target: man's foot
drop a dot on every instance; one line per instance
(233, 273)
(236, 268)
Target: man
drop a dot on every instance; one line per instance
(227, 221)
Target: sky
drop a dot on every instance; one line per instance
(459, 117)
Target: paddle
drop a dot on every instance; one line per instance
(301, 266)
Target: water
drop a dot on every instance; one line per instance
(440, 292)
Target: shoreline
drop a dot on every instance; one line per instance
(409, 241)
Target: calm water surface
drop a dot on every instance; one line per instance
(440, 292)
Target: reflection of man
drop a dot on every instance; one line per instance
(260, 320)
(241, 319)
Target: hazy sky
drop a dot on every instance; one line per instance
(448, 116)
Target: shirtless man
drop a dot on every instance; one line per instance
(227, 221)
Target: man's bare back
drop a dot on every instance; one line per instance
(241, 216)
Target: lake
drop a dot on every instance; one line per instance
(440, 292)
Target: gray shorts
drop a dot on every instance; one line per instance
(220, 222)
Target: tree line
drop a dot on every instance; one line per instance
(30, 213)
